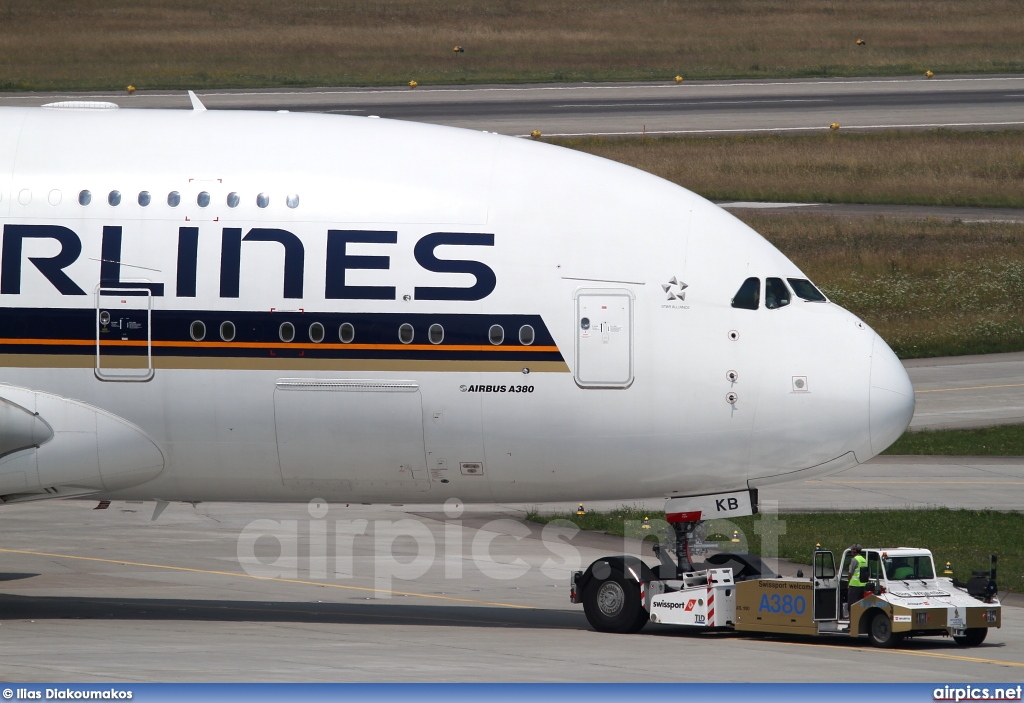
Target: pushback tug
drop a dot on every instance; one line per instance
(905, 596)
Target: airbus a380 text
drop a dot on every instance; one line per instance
(202, 305)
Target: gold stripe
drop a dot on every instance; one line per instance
(76, 361)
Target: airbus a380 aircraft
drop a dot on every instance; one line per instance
(239, 306)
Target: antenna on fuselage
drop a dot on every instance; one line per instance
(196, 103)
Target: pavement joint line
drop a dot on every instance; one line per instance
(937, 655)
(268, 578)
(972, 388)
(816, 128)
(320, 611)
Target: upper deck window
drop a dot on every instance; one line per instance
(748, 297)
(806, 290)
(144, 198)
(776, 295)
(233, 199)
(114, 198)
(292, 201)
(262, 200)
(203, 199)
(84, 198)
(174, 198)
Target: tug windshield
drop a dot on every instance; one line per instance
(907, 568)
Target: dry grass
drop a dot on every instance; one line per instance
(929, 288)
(924, 168)
(109, 43)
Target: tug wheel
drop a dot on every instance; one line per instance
(613, 604)
(880, 632)
(972, 637)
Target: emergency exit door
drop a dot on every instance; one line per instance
(124, 344)
(604, 338)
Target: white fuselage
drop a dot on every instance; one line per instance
(639, 378)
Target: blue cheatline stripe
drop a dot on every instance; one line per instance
(257, 334)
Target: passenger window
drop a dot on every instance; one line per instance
(233, 199)
(435, 334)
(806, 290)
(347, 332)
(174, 198)
(526, 335)
(197, 330)
(776, 295)
(748, 297)
(114, 198)
(262, 200)
(84, 198)
(496, 334)
(144, 198)
(203, 199)
(316, 333)
(286, 332)
(292, 201)
(405, 333)
(227, 331)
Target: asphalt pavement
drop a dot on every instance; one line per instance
(691, 107)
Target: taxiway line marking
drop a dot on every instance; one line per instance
(973, 388)
(266, 578)
(936, 655)
(918, 483)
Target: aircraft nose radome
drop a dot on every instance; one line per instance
(891, 399)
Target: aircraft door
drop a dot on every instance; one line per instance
(360, 435)
(124, 340)
(826, 586)
(604, 338)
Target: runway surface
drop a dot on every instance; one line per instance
(111, 596)
(975, 215)
(968, 391)
(699, 107)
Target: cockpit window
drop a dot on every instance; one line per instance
(748, 297)
(806, 290)
(776, 295)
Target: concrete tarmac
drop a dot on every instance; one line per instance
(697, 107)
(110, 596)
(968, 391)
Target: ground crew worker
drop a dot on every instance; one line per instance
(857, 584)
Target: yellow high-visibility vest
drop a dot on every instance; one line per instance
(858, 562)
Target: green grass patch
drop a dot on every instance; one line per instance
(1005, 440)
(934, 167)
(928, 287)
(107, 44)
(965, 538)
